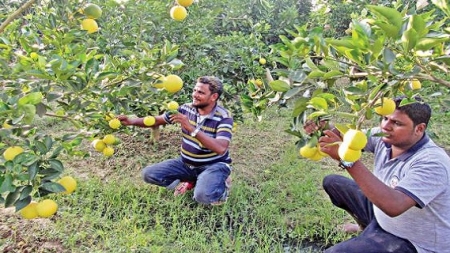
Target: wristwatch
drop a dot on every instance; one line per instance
(194, 133)
(346, 165)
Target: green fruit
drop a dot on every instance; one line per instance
(92, 11)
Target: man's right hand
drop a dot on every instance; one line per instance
(125, 120)
(311, 126)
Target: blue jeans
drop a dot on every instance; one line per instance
(346, 194)
(209, 179)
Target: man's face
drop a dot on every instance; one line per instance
(202, 97)
(400, 130)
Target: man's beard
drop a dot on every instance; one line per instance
(200, 106)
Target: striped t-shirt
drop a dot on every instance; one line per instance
(218, 124)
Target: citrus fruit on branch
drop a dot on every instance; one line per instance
(185, 3)
(90, 25)
(69, 183)
(178, 13)
(386, 106)
(92, 11)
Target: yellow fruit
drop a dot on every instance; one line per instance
(46, 208)
(149, 121)
(30, 211)
(6, 125)
(98, 144)
(172, 105)
(386, 108)
(114, 123)
(323, 154)
(11, 153)
(308, 151)
(90, 25)
(109, 116)
(185, 3)
(178, 13)
(262, 61)
(108, 151)
(173, 83)
(347, 154)
(69, 183)
(317, 156)
(355, 139)
(258, 82)
(109, 139)
(235, 126)
(92, 11)
(415, 85)
(160, 83)
(34, 55)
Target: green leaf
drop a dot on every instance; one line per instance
(332, 74)
(391, 31)
(443, 5)
(392, 16)
(292, 92)
(23, 202)
(344, 43)
(31, 98)
(300, 106)
(26, 191)
(52, 187)
(29, 111)
(57, 165)
(48, 142)
(7, 184)
(32, 171)
(41, 147)
(319, 103)
(279, 86)
(316, 74)
(417, 23)
(425, 44)
(11, 198)
(409, 40)
(388, 55)
(317, 114)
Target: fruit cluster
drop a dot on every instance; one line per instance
(179, 12)
(48, 207)
(105, 144)
(350, 149)
(92, 12)
(312, 152)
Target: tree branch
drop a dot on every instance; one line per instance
(15, 14)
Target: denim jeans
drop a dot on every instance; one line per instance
(346, 194)
(209, 179)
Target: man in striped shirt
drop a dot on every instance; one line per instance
(204, 162)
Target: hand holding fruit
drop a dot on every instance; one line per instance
(328, 144)
(125, 120)
(311, 126)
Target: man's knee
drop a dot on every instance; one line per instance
(148, 175)
(329, 181)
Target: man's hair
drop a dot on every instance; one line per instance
(418, 111)
(214, 83)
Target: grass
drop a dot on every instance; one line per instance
(276, 205)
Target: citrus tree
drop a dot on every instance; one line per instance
(56, 64)
(390, 51)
